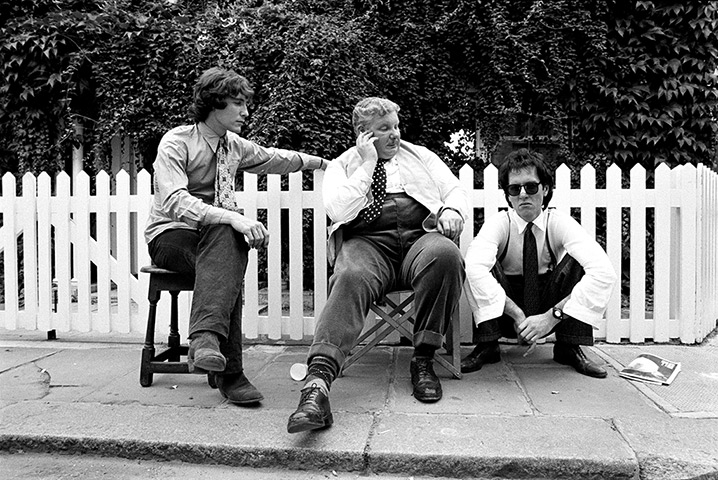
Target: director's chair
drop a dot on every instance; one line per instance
(397, 316)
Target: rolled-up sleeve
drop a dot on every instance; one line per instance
(487, 298)
(589, 298)
(345, 195)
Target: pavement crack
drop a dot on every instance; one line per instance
(517, 380)
(29, 362)
(378, 415)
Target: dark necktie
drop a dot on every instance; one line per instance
(224, 181)
(378, 191)
(532, 294)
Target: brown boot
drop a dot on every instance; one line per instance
(204, 355)
(236, 388)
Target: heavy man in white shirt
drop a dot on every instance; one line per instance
(396, 211)
(534, 271)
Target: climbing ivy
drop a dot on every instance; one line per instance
(626, 82)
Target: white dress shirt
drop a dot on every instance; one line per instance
(185, 170)
(589, 298)
(415, 170)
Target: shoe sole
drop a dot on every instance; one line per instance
(307, 426)
(243, 402)
(429, 399)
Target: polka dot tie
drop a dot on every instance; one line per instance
(532, 293)
(378, 190)
(224, 182)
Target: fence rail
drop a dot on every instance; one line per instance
(71, 251)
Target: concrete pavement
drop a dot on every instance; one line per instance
(525, 417)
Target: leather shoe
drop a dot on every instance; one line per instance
(573, 355)
(427, 387)
(483, 353)
(204, 355)
(313, 411)
(236, 388)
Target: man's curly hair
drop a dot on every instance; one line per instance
(521, 159)
(212, 89)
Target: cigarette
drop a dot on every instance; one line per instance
(530, 349)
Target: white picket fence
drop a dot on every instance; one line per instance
(56, 235)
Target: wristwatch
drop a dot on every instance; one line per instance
(557, 313)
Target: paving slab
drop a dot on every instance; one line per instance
(229, 436)
(676, 448)
(693, 391)
(504, 447)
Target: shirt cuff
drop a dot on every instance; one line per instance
(582, 314)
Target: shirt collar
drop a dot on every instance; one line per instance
(209, 135)
(539, 221)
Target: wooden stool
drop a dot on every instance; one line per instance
(395, 317)
(168, 360)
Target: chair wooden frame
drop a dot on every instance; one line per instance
(168, 359)
(395, 316)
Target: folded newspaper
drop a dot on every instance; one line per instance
(652, 369)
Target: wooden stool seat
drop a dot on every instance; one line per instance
(397, 316)
(168, 359)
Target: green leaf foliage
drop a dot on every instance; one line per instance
(626, 82)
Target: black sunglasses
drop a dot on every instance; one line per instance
(515, 189)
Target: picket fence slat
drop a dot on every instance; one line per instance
(29, 238)
(44, 253)
(661, 259)
(637, 248)
(49, 282)
(10, 252)
(102, 261)
(614, 218)
(63, 255)
(296, 253)
(81, 251)
(248, 200)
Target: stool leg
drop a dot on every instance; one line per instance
(173, 340)
(148, 351)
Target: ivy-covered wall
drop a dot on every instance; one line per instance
(610, 81)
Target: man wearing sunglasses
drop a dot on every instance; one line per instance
(533, 271)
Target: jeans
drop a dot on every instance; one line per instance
(393, 252)
(217, 256)
(556, 286)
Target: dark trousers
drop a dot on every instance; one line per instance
(217, 256)
(555, 286)
(393, 252)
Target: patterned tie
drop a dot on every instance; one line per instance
(378, 190)
(532, 294)
(224, 183)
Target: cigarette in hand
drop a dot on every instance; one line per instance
(530, 349)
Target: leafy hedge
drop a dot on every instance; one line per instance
(628, 82)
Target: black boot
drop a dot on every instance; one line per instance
(573, 355)
(427, 387)
(313, 411)
(483, 353)
(236, 388)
